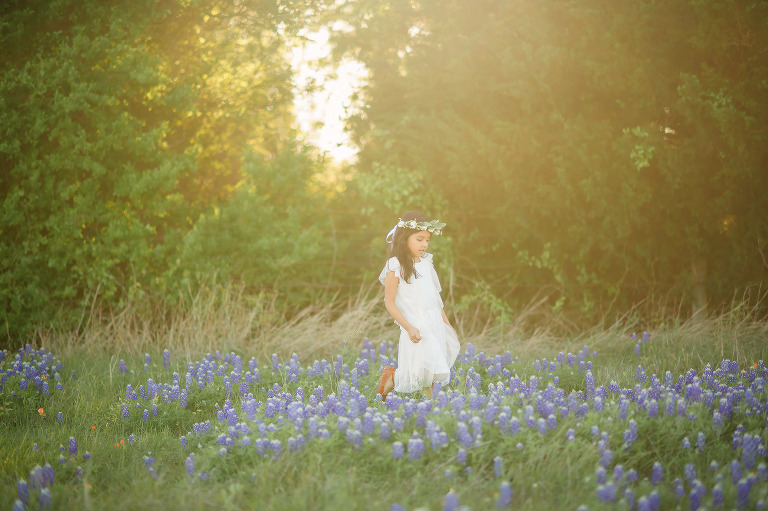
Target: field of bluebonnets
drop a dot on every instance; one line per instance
(674, 418)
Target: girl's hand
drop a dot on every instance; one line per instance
(414, 335)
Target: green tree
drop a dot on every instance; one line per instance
(606, 154)
(121, 123)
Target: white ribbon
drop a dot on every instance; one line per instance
(391, 235)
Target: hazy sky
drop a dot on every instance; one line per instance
(321, 115)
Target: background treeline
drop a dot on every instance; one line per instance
(595, 157)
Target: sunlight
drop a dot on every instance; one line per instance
(323, 95)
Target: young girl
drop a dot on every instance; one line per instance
(428, 343)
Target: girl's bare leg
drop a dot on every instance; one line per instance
(428, 391)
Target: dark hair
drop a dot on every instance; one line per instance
(399, 247)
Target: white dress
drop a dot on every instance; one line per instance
(429, 361)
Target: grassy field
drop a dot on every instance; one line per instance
(528, 422)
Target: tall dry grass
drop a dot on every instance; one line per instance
(224, 317)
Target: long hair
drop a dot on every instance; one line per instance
(399, 247)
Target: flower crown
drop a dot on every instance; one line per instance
(433, 226)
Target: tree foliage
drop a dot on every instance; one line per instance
(122, 123)
(608, 154)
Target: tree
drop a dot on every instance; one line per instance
(121, 124)
(604, 154)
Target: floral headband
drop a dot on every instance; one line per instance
(433, 226)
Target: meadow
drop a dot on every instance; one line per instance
(284, 415)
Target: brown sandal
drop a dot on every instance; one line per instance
(385, 374)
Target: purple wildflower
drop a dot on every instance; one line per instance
(461, 456)
(742, 493)
(45, 498)
(59, 417)
(657, 474)
(189, 466)
(735, 472)
(451, 501)
(398, 450)
(700, 441)
(717, 495)
(72, 446)
(22, 489)
(606, 492)
(505, 496)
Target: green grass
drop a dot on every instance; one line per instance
(548, 473)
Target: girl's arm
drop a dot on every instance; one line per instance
(390, 291)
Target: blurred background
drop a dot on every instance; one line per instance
(596, 163)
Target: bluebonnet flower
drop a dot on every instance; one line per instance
(742, 493)
(749, 447)
(637, 350)
(654, 501)
(514, 426)
(735, 472)
(463, 435)
(657, 474)
(189, 466)
(762, 471)
(690, 472)
(678, 488)
(145, 415)
(607, 492)
(600, 475)
(45, 498)
(594, 430)
(22, 489)
(700, 442)
(696, 495)
(541, 425)
(505, 496)
(86, 456)
(154, 409)
(686, 443)
(551, 421)
(606, 457)
(355, 438)
(131, 438)
(123, 368)
(451, 501)
(166, 358)
(396, 507)
(618, 473)
(590, 384)
(632, 476)
(461, 456)
(59, 417)
(717, 495)
(398, 450)
(72, 446)
(717, 419)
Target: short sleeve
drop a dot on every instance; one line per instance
(392, 265)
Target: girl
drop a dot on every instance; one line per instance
(428, 343)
